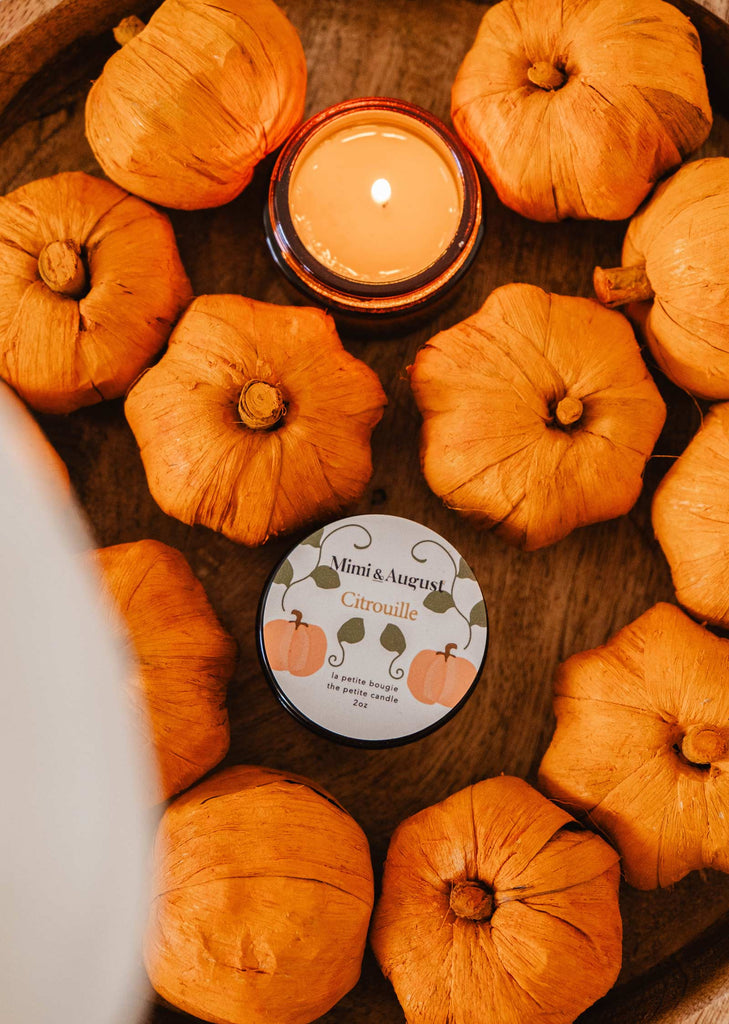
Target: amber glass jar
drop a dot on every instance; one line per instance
(374, 249)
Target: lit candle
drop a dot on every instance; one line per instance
(376, 200)
(374, 207)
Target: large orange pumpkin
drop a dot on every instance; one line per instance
(439, 677)
(294, 646)
(497, 909)
(575, 108)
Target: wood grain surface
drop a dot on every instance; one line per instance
(543, 606)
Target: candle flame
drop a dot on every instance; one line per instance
(381, 190)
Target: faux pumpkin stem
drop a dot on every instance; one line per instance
(61, 267)
(546, 75)
(127, 29)
(261, 405)
(568, 411)
(448, 652)
(702, 744)
(297, 617)
(472, 900)
(621, 285)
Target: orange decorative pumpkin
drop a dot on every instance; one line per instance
(256, 420)
(538, 415)
(185, 110)
(439, 677)
(691, 520)
(673, 278)
(294, 646)
(184, 658)
(496, 908)
(642, 745)
(90, 285)
(575, 108)
(261, 900)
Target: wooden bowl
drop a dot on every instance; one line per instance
(543, 606)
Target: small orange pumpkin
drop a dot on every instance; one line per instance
(642, 745)
(262, 895)
(525, 430)
(256, 420)
(186, 109)
(691, 520)
(439, 677)
(673, 277)
(496, 907)
(575, 108)
(294, 646)
(184, 659)
(90, 285)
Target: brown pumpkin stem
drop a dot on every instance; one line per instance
(127, 29)
(472, 900)
(621, 285)
(261, 405)
(703, 744)
(61, 267)
(568, 410)
(546, 75)
(297, 617)
(448, 652)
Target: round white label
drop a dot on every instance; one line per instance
(373, 629)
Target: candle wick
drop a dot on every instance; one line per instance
(381, 191)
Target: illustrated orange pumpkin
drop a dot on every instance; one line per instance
(261, 900)
(642, 745)
(184, 659)
(439, 677)
(90, 285)
(538, 415)
(191, 103)
(575, 108)
(294, 646)
(497, 909)
(256, 420)
(691, 520)
(674, 273)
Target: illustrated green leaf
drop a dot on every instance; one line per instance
(438, 601)
(392, 638)
(465, 572)
(478, 614)
(325, 578)
(314, 539)
(351, 632)
(284, 574)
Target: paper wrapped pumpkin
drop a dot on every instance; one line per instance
(184, 659)
(186, 109)
(575, 108)
(256, 420)
(691, 520)
(494, 908)
(642, 745)
(261, 900)
(675, 257)
(90, 285)
(539, 415)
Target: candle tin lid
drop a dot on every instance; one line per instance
(363, 298)
(373, 631)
